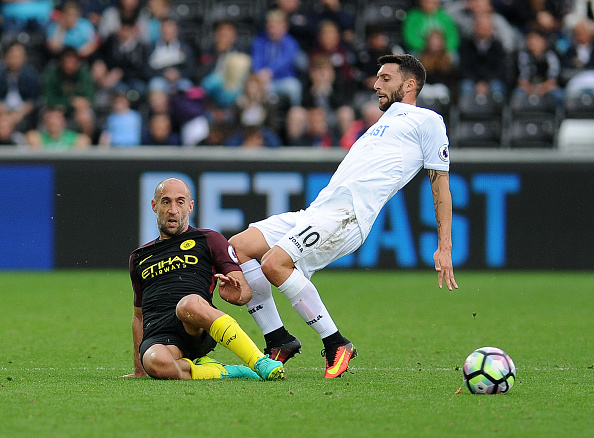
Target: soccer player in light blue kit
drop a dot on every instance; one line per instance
(286, 249)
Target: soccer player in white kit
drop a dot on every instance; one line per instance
(286, 249)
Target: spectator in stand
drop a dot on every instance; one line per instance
(123, 127)
(296, 125)
(340, 54)
(377, 44)
(370, 114)
(171, 61)
(122, 63)
(255, 117)
(225, 84)
(324, 91)
(539, 69)
(580, 55)
(441, 67)
(426, 17)
(255, 107)
(125, 10)
(550, 13)
(222, 72)
(29, 16)
(9, 134)
(69, 28)
(582, 10)
(92, 9)
(86, 123)
(156, 102)
(334, 11)
(217, 134)
(158, 10)
(189, 114)
(275, 55)
(482, 61)
(518, 13)
(68, 83)
(546, 15)
(256, 136)
(464, 13)
(159, 132)
(315, 132)
(301, 25)
(54, 133)
(213, 56)
(20, 87)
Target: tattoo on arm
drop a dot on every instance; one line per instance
(434, 176)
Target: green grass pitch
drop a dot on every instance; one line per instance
(65, 338)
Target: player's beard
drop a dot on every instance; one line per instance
(162, 225)
(396, 96)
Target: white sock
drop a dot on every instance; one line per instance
(262, 306)
(305, 299)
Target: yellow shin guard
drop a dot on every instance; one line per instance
(227, 332)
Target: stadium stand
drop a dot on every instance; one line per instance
(477, 121)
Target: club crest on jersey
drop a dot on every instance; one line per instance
(187, 244)
(444, 153)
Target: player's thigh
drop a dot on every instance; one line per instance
(159, 356)
(275, 227)
(330, 251)
(179, 343)
(249, 244)
(321, 236)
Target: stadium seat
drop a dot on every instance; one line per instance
(384, 16)
(535, 132)
(441, 106)
(480, 107)
(477, 134)
(575, 135)
(236, 10)
(192, 10)
(579, 106)
(532, 105)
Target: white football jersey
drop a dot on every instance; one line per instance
(384, 159)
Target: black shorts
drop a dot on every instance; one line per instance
(174, 333)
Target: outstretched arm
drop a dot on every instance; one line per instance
(137, 339)
(442, 201)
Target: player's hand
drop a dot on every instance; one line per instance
(444, 268)
(229, 288)
(135, 374)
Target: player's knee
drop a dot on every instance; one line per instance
(195, 313)
(276, 267)
(157, 364)
(241, 246)
(189, 309)
(269, 267)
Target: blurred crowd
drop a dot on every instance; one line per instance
(270, 73)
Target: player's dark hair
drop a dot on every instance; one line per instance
(409, 66)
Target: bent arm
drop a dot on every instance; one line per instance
(234, 288)
(442, 201)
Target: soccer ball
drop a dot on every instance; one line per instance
(489, 370)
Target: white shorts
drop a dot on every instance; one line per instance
(315, 237)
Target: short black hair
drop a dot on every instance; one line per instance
(409, 66)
